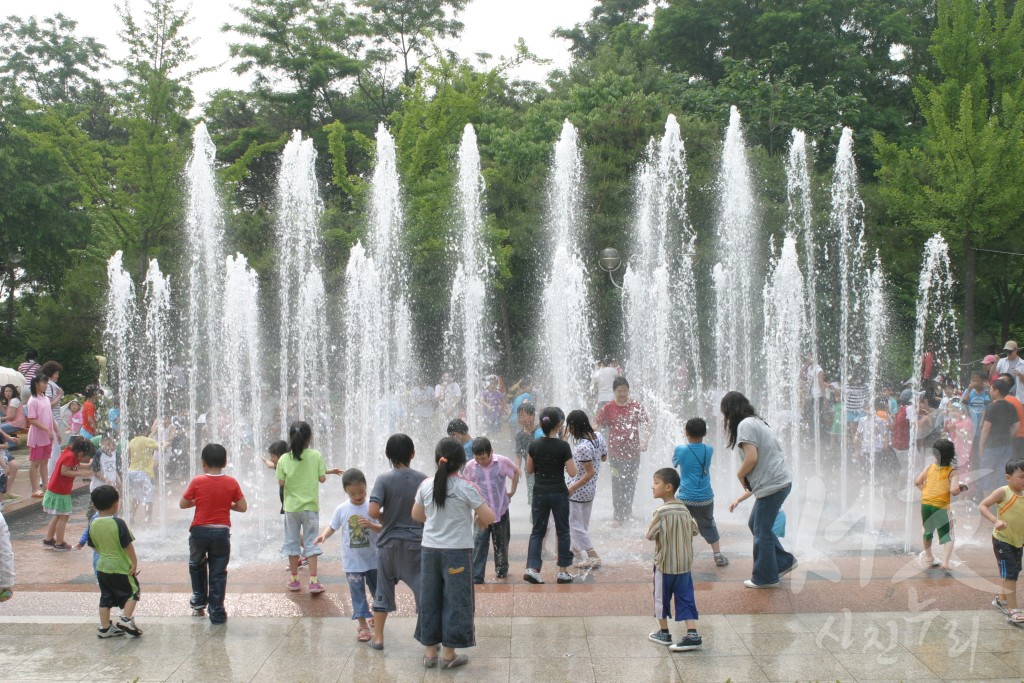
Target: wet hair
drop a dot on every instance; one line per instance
(619, 382)
(1014, 465)
(104, 497)
(668, 475)
(399, 449)
(1002, 386)
(481, 445)
(696, 427)
(550, 418)
(579, 425)
(82, 447)
(215, 455)
(278, 448)
(36, 381)
(50, 368)
(1008, 378)
(735, 408)
(299, 436)
(945, 453)
(454, 458)
(527, 408)
(352, 476)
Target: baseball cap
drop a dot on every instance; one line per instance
(457, 426)
(989, 359)
(1010, 346)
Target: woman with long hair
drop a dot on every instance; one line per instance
(764, 473)
(588, 451)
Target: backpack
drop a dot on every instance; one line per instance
(901, 430)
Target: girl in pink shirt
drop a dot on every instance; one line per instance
(41, 434)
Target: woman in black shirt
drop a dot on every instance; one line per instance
(547, 458)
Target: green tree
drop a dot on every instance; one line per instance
(963, 176)
(402, 29)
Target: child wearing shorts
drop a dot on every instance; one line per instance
(1008, 536)
(117, 567)
(694, 462)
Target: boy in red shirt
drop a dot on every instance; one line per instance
(214, 495)
(57, 500)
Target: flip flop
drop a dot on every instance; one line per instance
(459, 660)
(429, 662)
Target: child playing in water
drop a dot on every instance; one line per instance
(937, 485)
(57, 500)
(1008, 536)
(694, 462)
(526, 419)
(275, 451)
(358, 547)
(117, 568)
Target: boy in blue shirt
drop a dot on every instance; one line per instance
(693, 460)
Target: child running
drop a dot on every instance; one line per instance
(398, 547)
(214, 495)
(301, 471)
(445, 505)
(57, 501)
(117, 568)
(1008, 536)
(672, 529)
(694, 462)
(488, 472)
(358, 547)
(937, 484)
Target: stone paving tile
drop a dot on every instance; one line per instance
(551, 670)
(369, 665)
(966, 666)
(738, 669)
(766, 623)
(896, 665)
(823, 667)
(479, 668)
(296, 666)
(622, 669)
(781, 643)
(552, 627)
(540, 646)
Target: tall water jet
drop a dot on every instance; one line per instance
(468, 325)
(119, 342)
(737, 232)
(659, 282)
(298, 249)
(378, 343)
(785, 341)
(799, 224)
(204, 227)
(847, 219)
(936, 327)
(156, 362)
(877, 331)
(312, 394)
(566, 350)
(241, 389)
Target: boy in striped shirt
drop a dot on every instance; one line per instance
(672, 529)
(488, 472)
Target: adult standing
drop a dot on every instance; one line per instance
(997, 430)
(28, 370)
(588, 451)
(447, 396)
(623, 418)
(764, 473)
(51, 369)
(603, 379)
(1012, 365)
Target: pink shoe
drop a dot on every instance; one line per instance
(315, 587)
(294, 585)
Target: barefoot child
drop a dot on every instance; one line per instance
(358, 546)
(694, 462)
(214, 495)
(57, 501)
(118, 566)
(937, 484)
(1008, 536)
(672, 529)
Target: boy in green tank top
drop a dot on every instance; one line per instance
(117, 566)
(1008, 536)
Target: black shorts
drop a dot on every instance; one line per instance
(117, 589)
(1008, 558)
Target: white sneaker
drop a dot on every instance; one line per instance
(750, 584)
(533, 576)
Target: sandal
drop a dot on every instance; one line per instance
(363, 635)
(461, 660)
(1015, 616)
(429, 662)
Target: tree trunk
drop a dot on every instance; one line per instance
(967, 354)
(10, 302)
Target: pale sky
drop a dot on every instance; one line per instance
(492, 26)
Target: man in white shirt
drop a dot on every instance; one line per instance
(603, 378)
(1013, 365)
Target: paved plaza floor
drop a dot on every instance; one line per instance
(858, 608)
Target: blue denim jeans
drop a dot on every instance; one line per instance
(209, 549)
(498, 533)
(769, 556)
(446, 598)
(544, 506)
(357, 584)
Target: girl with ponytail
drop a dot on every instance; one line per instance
(300, 472)
(446, 505)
